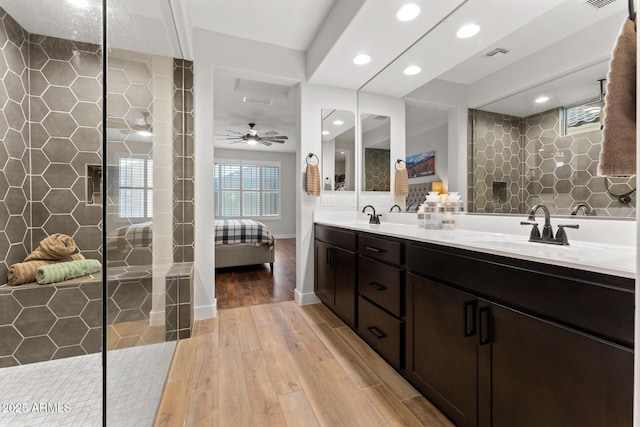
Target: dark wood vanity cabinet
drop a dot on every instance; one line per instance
(380, 289)
(490, 340)
(335, 271)
(486, 364)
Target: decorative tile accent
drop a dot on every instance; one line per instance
(179, 301)
(538, 166)
(377, 166)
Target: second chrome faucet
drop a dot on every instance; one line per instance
(547, 230)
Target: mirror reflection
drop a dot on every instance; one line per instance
(338, 150)
(376, 152)
(523, 107)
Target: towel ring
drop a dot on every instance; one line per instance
(400, 161)
(310, 156)
(632, 12)
(622, 198)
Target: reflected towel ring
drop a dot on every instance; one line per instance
(400, 161)
(310, 156)
(622, 198)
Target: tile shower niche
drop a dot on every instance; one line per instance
(94, 184)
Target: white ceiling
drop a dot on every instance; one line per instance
(331, 32)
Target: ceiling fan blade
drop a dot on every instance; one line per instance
(270, 138)
(267, 143)
(279, 141)
(235, 131)
(271, 132)
(236, 142)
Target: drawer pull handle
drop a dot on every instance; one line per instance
(377, 332)
(484, 327)
(376, 250)
(377, 286)
(470, 313)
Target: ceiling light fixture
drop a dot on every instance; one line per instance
(325, 132)
(542, 99)
(338, 122)
(408, 12)
(145, 133)
(252, 140)
(362, 59)
(467, 31)
(79, 3)
(412, 70)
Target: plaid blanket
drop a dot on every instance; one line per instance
(235, 231)
(137, 236)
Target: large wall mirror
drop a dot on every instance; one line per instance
(514, 113)
(376, 152)
(338, 150)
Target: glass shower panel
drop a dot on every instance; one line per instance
(148, 285)
(50, 156)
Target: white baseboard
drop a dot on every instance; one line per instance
(156, 318)
(284, 236)
(206, 311)
(304, 299)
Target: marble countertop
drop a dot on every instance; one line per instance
(616, 260)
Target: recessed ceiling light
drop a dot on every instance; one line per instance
(338, 122)
(145, 133)
(362, 59)
(412, 70)
(79, 3)
(467, 31)
(408, 12)
(542, 99)
(325, 132)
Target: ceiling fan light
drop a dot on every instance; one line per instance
(252, 140)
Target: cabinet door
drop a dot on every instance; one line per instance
(344, 265)
(324, 273)
(536, 373)
(442, 346)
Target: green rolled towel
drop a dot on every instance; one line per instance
(58, 272)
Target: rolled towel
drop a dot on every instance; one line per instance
(54, 248)
(402, 183)
(313, 180)
(60, 271)
(25, 272)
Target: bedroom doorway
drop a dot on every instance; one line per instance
(255, 145)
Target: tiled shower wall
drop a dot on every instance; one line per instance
(539, 166)
(377, 164)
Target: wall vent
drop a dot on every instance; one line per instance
(256, 100)
(494, 52)
(599, 4)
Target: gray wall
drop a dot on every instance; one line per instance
(286, 225)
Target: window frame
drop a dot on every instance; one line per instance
(241, 163)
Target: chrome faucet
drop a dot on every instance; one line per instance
(373, 218)
(547, 231)
(395, 206)
(587, 209)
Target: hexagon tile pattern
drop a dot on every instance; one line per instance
(377, 164)
(39, 323)
(539, 165)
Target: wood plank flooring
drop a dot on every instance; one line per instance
(254, 284)
(281, 364)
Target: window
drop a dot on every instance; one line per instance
(581, 118)
(135, 188)
(246, 189)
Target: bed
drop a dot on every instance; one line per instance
(243, 242)
(416, 197)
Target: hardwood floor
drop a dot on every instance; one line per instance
(254, 284)
(281, 364)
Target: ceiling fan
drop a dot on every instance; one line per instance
(252, 137)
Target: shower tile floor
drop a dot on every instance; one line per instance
(68, 392)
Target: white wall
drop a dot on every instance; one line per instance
(285, 227)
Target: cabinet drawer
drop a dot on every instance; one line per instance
(341, 238)
(381, 249)
(380, 330)
(381, 283)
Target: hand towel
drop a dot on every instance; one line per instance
(60, 271)
(402, 183)
(52, 248)
(25, 272)
(618, 154)
(313, 180)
